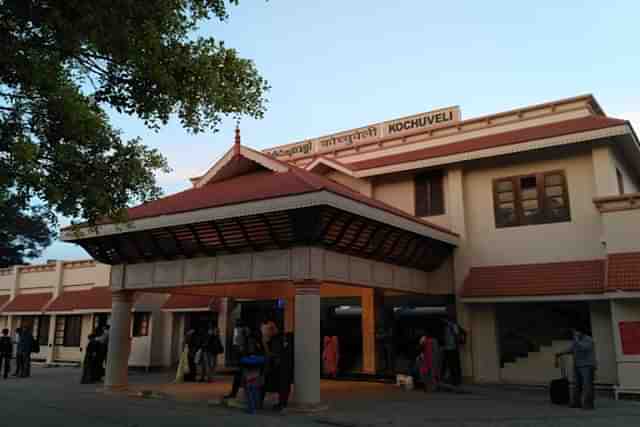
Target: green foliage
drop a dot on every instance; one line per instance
(62, 61)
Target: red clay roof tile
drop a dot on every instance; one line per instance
(258, 186)
(90, 299)
(28, 303)
(566, 127)
(558, 278)
(623, 272)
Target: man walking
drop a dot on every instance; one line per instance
(583, 350)
(6, 350)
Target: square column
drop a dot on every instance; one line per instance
(52, 338)
(119, 343)
(307, 344)
(372, 301)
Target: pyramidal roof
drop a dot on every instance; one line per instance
(245, 175)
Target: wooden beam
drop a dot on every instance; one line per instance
(374, 233)
(327, 226)
(136, 244)
(245, 234)
(359, 231)
(115, 244)
(201, 247)
(343, 230)
(382, 242)
(223, 241)
(393, 246)
(272, 232)
(157, 246)
(177, 243)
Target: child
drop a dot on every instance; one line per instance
(252, 378)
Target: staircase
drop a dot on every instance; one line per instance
(537, 368)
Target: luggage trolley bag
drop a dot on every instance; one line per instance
(559, 388)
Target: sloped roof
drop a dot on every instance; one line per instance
(28, 303)
(557, 278)
(623, 272)
(533, 133)
(98, 298)
(3, 300)
(260, 185)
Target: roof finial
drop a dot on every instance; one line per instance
(236, 146)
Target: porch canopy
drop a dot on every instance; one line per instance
(251, 225)
(250, 202)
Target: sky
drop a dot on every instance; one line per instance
(335, 65)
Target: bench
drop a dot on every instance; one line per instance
(618, 390)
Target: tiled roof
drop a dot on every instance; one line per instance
(558, 278)
(3, 300)
(28, 303)
(98, 298)
(550, 130)
(623, 271)
(256, 186)
(189, 302)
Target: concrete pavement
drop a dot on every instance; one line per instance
(54, 397)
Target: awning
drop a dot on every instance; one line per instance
(191, 303)
(28, 303)
(88, 300)
(530, 280)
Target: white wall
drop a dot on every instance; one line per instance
(628, 365)
(484, 342)
(605, 348)
(565, 241)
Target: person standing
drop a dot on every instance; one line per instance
(102, 341)
(584, 358)
(25, 348)
(16, 341)
(211, 348)
(91, 366)
(6, 350)
(429, 363)
(286, 372)
(330, 356)
(454, 337)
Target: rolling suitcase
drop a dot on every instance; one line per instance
(559, 388)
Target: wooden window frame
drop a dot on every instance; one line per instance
(140, 324)
(426, 192)
(543, 217)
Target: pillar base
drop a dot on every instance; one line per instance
(307, 408)
(115, 389)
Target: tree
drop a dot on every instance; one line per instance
(62, 63)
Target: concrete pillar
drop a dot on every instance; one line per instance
(223, 329)
(371, 302)
(289, 314)
(52, 338)
(119, 341)
(307, 344)
(462, 262)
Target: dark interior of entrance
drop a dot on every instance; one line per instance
(524, 328)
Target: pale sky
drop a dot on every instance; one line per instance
(337, 65)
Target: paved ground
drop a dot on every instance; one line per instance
(54, 397)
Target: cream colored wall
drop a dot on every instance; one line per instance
(484, 342)
(622, 231)
(39, 279)
(397, 191)
(603, 338)
(565, 241)
(97, 275)
(362, 186)
(631, 183)
(628, 365)
(7, 279)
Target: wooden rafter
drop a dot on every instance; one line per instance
(272, 232)
(343, 230)
(245, 234)
(221, 238)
